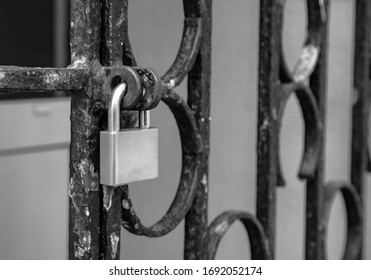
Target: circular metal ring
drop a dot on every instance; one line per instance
(258, 242)
(117, 75)
(195, 16)
(313, 128)
(353, 207)
(191, 156)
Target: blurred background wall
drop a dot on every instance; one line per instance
(34, 174)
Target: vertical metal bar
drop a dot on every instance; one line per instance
(110, 241)
(114, 42)
(361, 99)
(114, 32)
(85, 30)
(315, 229)
(267, 142)
(199, 102)
(84, 191)
(111, 54)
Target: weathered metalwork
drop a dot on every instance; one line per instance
(308, 82)
(100, 56)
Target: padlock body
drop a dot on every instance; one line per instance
(128, 155)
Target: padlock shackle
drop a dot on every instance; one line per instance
(114, 107)
(144, 119)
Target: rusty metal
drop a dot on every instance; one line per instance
(101, 55)
(308, 81)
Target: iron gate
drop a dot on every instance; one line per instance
(100, 55)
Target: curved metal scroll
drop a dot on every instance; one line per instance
(192, 35)
(218, 228)
(191, 146)
(310, 52)
(354, 215)
(312, 122)
(297, 81)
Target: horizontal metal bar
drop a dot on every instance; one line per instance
(23, 79)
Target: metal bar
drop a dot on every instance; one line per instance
(218, 228)
(84, 191)
(361, 99)
(85, 31)
(315, 228)
(115, 49)
(267, 143)
(127, 55)
(353, 206)
(110, 228)
(114, 26)
(22, 79)
(199, 102)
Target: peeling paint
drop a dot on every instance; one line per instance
(125, 204)
(79, 63)
(71, 187)
(121, 19)
(306, 63)
(171, 84)
(221, 228)
(51, 78)
(264, 125)
(107, 196)
(86, 211)
(84, 244)
(114, 244)
(81, 167)
(93, 173)
(87, 175)
(204, 180)
(79, 252)
(72, 194)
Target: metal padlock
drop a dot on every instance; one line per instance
(130, 154)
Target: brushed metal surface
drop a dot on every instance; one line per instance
(129, 155)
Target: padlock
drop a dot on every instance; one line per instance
(130, 154)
